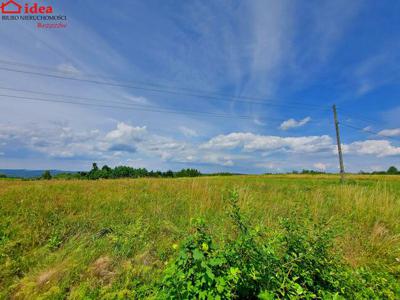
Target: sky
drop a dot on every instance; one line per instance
(220, 86)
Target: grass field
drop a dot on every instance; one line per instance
(81, 239)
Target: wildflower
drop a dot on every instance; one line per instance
(204, 246)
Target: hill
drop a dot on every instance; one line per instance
(23, 173)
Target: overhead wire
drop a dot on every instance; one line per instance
(355, 117)
(137, 107)
(158, 88)
(86, 98)
(365, 130)
(131, 107)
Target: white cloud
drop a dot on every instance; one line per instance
(57, 141)
(224, 160)
(258, 122)
(126, 134)
(230, 141)
(126, 142)
(252, 142)
(390, 132)
(268, 165)
(292, 123)
(321, 166)
(188, 132)
(367, 128)
(68, 68)
(380, 148)
(136, 99)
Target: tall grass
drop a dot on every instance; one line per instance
(74, 238)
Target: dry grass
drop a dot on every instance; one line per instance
(49, 228)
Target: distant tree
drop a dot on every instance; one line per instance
(3, 176)
(83, 174)
(46, 175)
(305, 171)
(94, 167)
(392, 170)
(106, 168)
(129, 172)
(169, 173)
(188, 173)
(106, 172)
(94, 173)
(379, 173)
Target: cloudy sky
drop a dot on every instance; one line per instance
(241, 86)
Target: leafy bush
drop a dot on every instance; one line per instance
(297, 263)
(46, 175)
(200, 271)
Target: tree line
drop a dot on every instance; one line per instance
(390, 171)
(107, 172)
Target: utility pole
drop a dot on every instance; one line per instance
(339, 145)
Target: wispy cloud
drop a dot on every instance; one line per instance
(378, 70)
(321, 166)
(188, 132)
(68, 68)
(292, 123)
(390, 132)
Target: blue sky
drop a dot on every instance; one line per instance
(297, 57)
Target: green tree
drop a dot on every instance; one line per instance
(169, 173)
(46, 175)
(95, 167)
(392, 170)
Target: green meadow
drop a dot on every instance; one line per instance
(114, 239)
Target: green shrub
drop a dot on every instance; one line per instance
(200, 271)
(46, 175)
(297, 263)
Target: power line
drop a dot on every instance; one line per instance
(138, 107)
(106, 101)
(147, 108)
(370, 131)
(87, 98)
(65, 96)
(132, 107)
(241, 99)
(203, 92)
(359, 118)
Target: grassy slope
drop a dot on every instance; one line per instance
(51, 241)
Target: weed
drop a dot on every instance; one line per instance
(298, 264)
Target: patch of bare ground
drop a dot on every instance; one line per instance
(103, 269)
(41, 283)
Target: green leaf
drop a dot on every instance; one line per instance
(299, 289)
(210, 274)
(197, 255)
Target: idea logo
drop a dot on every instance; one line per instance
(12, 7)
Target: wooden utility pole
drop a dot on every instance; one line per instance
(339, 145)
